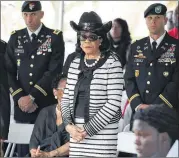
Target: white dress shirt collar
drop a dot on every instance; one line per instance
(159, 40)
(36, 32)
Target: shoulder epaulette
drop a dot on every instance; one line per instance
(56, 32)
(13, 32)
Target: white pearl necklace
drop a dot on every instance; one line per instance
(91, 65)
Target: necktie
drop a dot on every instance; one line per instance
(34, 38)
(154, 44)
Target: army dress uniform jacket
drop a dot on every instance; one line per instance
(152, 78)
(4, 95)
(32, 67)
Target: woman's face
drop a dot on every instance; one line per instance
(90, 43)
(60, 89)
(116, 30)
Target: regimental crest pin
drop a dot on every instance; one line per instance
(31, 6)
(158, 9)
(136, 73)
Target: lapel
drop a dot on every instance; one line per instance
(24, 41)
(163, 47)
(148, 50)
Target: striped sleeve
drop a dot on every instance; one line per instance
(110, 109)
(65, 106)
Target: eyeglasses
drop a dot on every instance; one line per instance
(91, 37)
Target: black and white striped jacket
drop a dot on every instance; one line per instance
(105, 95)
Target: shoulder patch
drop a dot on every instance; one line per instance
(56, 32)
(13, 32)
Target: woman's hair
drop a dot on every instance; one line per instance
(103, 47)
(162, 118)
(125, 34)
(57, 80)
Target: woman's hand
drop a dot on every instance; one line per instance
(33, 152)
(43, 154)
(76, 132)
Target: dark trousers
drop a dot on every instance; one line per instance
(22, 150)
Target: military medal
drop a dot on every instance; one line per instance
(44, 48)
(49, 50)
(140, 55)
(38, 53)
(49, 45)
(173, 60)
(18, 62)
(136, 73)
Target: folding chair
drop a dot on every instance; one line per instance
(174, 150)
(18, 134)
(126, 142)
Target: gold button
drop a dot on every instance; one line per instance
(149, 73)
(32, 56)
(30, 74)
(147, 91)
(31, 65)
(31, 83)
(151, 64)
(148, 82)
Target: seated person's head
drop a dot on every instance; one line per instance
(156, 129)
(58, 85)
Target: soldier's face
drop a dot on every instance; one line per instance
(156, 23)
(33, 19)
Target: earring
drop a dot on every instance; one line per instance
(56, 97)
